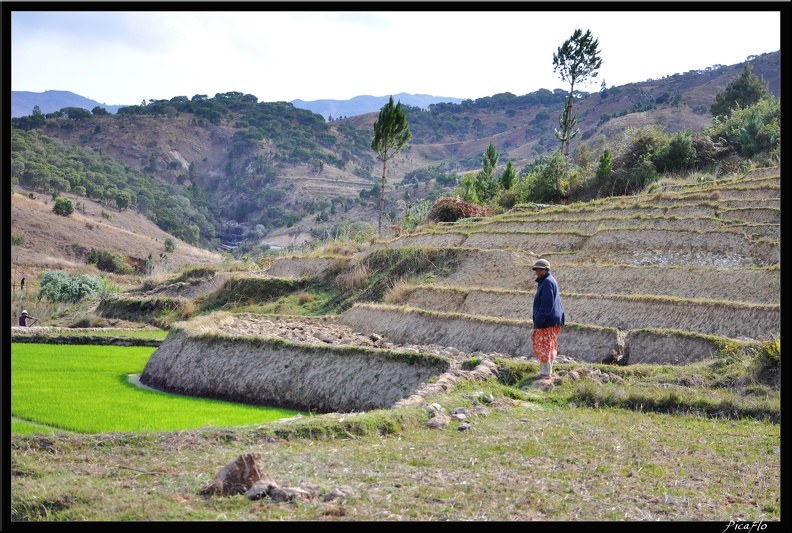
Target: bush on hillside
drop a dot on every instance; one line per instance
(108, 261)
(58, 286)
(63, 207)
(754, 129)
(678, 154)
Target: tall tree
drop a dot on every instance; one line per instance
(391, 134)
(489, 161)
(743, 91)
(567, 125)
(576, 61)
(508, 176)
(37, 119)
(488, 181)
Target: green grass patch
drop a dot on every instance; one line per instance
(312, 301)
(521, 463)
(239, 292)
(86, 389)
(143, 334)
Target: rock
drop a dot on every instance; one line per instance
(438, 421)
(481, 410)
(259, 490)
(460, 413)
(436, 408)
(288, 494)
(464, 426)
(237, 477)
(338, 493)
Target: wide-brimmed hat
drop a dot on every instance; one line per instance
(24, 312)
(541, 263)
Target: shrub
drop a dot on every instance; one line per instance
(416, 215)
(63, 207)
(605, 168)
(743, 91)
(506, 199)
(58, 286)
(17, 240)
(678, 154)
(755, 136)
(170, 246)
(110, 262)
(548, 179)
(767, 360)
(754, 129)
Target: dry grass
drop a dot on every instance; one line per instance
(53, 242)
(304, 297)
(336, 247)
(400, 289)
(354, 278)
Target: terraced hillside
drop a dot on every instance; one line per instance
(671, 276)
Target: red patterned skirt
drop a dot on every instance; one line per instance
(545, 343)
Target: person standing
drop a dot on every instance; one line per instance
(23, 318)
(548, 318)
(22, 283)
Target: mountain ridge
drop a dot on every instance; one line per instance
(360, 105)
(50, 101)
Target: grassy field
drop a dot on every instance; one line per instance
(527, 461)
(86, 389)
(650, 449)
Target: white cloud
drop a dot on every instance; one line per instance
(124, 57)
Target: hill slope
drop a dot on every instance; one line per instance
(51, 241)
(285, 176)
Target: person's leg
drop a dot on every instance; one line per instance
(553, 342)
(542, 350)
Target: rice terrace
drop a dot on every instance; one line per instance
(418, 400)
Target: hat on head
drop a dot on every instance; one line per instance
(541, 263)
(24, 312)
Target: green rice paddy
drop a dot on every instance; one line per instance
(87, 389)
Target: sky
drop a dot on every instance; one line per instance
(125, 57)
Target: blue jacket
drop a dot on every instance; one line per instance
(547, 308)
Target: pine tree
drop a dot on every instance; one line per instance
(391, 134)
(576, 61)
(743, 91)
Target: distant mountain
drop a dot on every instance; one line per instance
(360, 105)
(22, 102)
